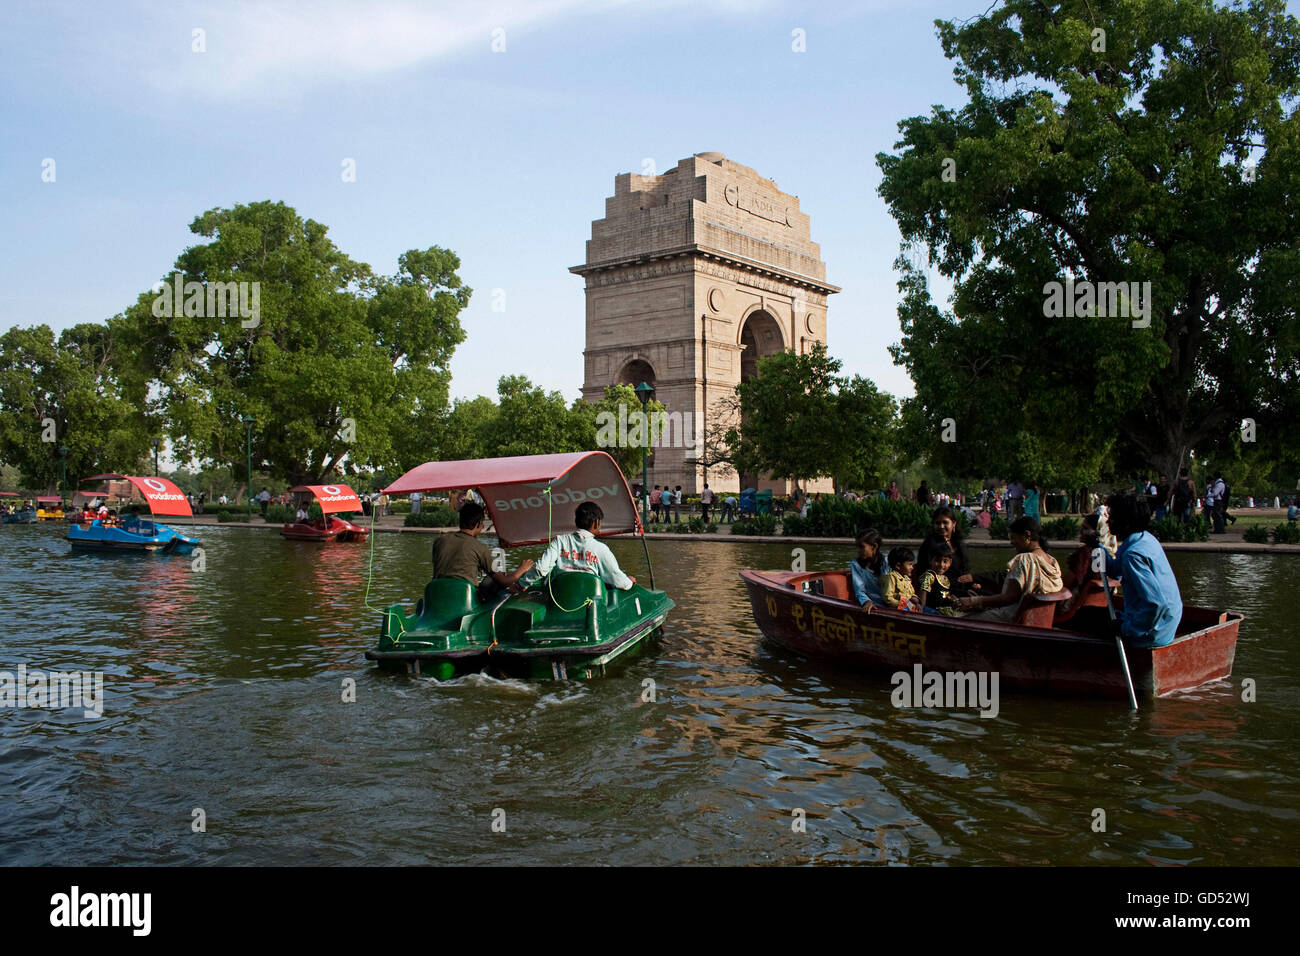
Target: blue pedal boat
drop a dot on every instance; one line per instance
(135, 533)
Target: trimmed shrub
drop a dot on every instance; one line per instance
(435, 517)
(696, 525)
(834, 517)
(1171, 528)
(999, 529)
(1063, 528)
(1256, 534)
(280, 514)
(1286, 533)
(758, 524)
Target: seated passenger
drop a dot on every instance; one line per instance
(1153, 605)
(897, 589)
(462, 555)
(302, 515)
(936, 593)
(945, 529)
(1031, 572)
(581, 551)
(1084, 611)
(868, 568)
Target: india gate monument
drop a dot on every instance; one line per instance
(691, 277)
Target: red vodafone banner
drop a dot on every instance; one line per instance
(162, 497)
(333, 498)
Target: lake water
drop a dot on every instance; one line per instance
(224, 693)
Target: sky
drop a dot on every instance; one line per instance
(491, 128)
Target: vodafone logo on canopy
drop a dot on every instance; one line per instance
(155, 484)
(331, 489)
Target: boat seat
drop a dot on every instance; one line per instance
(1040, 609)
(445, 600)
(571, 590)
(836, 585)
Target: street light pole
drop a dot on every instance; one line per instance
(643, 392)
(63, 468)
(156, 443)
(248, 494)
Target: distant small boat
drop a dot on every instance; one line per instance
(49, 508)
(334, 499)
(24, 515)
(815, 615)
(134, 533)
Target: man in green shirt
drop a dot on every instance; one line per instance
(462, 555)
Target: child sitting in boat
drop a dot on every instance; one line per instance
(936, 593)
(897, 589)
(303, 515)
(868, 569)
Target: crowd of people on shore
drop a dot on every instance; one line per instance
(939, 580)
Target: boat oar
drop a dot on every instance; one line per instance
(1119, 640)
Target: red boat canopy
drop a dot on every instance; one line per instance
(9, 494)
(162, 497)
(517, 492)
(50, 500)
(333, 498)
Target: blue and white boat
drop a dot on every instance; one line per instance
(135, 533)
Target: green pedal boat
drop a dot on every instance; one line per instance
(568, 625)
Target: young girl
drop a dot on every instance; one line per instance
(897, 588)
(868, 569)
(936, 593)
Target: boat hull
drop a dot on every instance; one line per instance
(21, 517)
(339, 530)
(573, 631)
(1031, 659)
(153, 538)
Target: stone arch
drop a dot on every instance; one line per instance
(760, 335)
(635, 371)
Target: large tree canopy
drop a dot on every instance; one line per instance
(63, 395)
(1152, 141)
(338, 363)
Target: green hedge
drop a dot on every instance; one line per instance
(1287, 533)
(999, 529)
(833, 517)
(228, 516)
(1171, 528)
(435, 517)
(1064, 528)
(758, 524)
(1256, 534)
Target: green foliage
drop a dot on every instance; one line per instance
(1063, 528)
(696, 525)
(71, 383)
(340, 362)
(281, 514)
(1171, 529)
(436, 517)
(228, 516)
(999, 529)
(799, 419)
(598, 425)
(1256, 534)
(758, 524)
(834, 517)
(1288, 532)
(1132, 163)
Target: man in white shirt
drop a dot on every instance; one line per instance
(580, 551)
(707, 497)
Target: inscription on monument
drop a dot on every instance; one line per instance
(757, 205)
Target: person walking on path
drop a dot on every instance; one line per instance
(1015, 494)
(264, 499)
(1214, 502)
(707, 497)
(677, 505)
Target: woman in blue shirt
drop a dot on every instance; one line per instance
(869, 568)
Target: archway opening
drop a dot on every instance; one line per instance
(760, 336)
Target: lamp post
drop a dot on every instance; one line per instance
(643, 392)
(156, 443)
(63, 468)
(248, 426)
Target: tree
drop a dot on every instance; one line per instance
(615, 425)
(798, 419)
(339, 368)
(64, 395)
(1152, 142)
